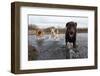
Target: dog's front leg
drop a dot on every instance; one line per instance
(74, 44)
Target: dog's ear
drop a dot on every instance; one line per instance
(67, 24)
(76, 24)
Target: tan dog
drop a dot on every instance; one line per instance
(39, 33)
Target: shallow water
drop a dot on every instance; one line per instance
(48, 48)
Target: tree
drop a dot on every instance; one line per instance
(32, 27)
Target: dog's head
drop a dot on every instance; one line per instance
(71, 28)
(39, 32)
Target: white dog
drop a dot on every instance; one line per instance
(54, 34)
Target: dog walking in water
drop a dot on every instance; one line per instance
(39, 34)
(54, 33)
(70, 37)
(70, 34)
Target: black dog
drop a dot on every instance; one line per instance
(70, 35)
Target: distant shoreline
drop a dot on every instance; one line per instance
(61, 31)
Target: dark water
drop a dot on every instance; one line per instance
(49, 48)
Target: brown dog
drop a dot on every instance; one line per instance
(39, 33)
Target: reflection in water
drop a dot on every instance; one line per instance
(39, 42)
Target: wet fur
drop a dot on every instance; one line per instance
(70, 34)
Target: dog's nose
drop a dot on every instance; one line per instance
(71, 33)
